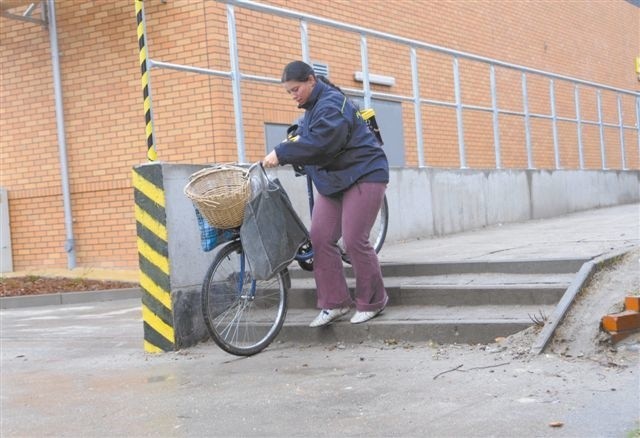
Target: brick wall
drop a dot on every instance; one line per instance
(193, 114)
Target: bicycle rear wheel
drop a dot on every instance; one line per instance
(242, 315)
(378, 232)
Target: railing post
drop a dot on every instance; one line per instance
(304, 39)
(496, 119)
(554, 123)
(638, 122)
(527, 127)
(603, 152)
(576, 94)
(365, 70)
(459, 118)
(417, 110)
(623, 160)
(235, 82)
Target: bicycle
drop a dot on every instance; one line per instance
(243, 315)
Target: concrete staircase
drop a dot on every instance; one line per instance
(451, 302)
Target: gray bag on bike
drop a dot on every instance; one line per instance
(271, 232)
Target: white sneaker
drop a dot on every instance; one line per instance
(360, 317)
(327, 316)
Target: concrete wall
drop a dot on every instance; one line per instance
(422, 203)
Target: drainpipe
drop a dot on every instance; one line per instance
(62, 145)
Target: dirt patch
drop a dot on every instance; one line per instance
(37, 285)
(579, 336)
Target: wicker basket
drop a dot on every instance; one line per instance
(220, 194)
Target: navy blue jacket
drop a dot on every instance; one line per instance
(334, 144)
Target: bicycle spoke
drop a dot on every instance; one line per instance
(242, 315)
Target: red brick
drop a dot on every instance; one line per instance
(632, 303)
(623, 321)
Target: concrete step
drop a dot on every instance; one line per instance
(410, 269)
(448, 302)
(455, 290)
(441, 324)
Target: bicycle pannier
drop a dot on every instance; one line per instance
(271, 232)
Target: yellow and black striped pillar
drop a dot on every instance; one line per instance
(153, 255)
(146, 86)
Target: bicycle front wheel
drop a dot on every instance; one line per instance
(242, 315)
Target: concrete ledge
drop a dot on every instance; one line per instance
(69, 298)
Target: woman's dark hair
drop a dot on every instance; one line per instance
(297, 71)
(300, 71)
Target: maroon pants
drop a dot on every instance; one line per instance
(351, 216)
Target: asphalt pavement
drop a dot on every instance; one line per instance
(80, 369)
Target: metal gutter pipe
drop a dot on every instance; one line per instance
(69, 245)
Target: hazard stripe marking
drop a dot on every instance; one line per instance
(149, 206)
(156, 275)
(157, 308)
(149, 189)
(157, 324)
(153, 256)
(160, 245)
(151, 223)
(150, 348)
(152, 337)
(151, 149)
(153, 251)
(161, 295)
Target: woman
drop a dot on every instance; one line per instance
(350, 172)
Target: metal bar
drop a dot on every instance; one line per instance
(257, 78)
(623, 160)
(188, 68)
(511, 113)
(29, 10)
(576, 94)
(365, 71)
(496, 118)
(477, 108)
(554, 124)
(235, 82)
(527, 125)
(304, 40)
(417, 110)
(261, 7)
(603, 152)
(390, 96)
(540, 116)
(69, 246)
(459, 118)
(438, 103)
(28, 19)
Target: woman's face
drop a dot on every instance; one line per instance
(300, 91)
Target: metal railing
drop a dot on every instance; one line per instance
(236, 76)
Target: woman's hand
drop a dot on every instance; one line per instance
(270, 160)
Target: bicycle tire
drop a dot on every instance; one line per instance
(306, 263)
(379, 231)
(243, 316)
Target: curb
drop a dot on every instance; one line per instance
(582, 278)
(69, 298)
